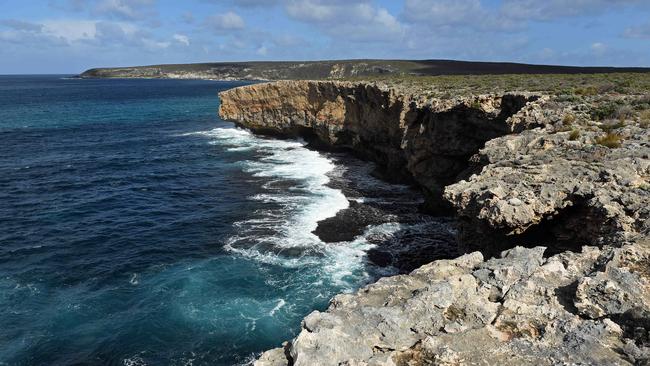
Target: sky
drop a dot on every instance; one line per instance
(69, 36)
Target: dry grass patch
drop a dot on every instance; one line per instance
(610, 140)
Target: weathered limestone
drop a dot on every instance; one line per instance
(554, 189)
(429, 143)
(518, 309)
(513, 178)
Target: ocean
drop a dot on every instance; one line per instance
(137, 228)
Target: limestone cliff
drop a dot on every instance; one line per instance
(514, 170)
(427, 143)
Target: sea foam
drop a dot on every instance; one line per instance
(295, 198)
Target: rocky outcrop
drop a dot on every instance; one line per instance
(428, 143)
(591, 307)
(525, 189)
(508, 173)
(541, 187)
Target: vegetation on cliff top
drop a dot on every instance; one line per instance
(571, 87)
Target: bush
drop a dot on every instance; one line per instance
(568, 119)
(604, 111)
(612, 111)
(610, 140)
(623, 112)
(574, 135)
(588, 90)
(567, 98)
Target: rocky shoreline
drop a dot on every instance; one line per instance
(562, 214)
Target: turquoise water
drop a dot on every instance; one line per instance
(137, 228)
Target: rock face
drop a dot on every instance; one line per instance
(542, 187)
(514, 175)
(591, 307)
(511, 177)
(429, 144)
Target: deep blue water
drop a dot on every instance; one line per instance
(137, 228)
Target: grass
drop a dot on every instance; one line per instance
(574, 135)
(610, 140)
(644, 118)
(569, 119)
(589, 90)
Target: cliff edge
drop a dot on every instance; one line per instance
(556, 190)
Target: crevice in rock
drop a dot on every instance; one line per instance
(569, 229)
(565, 296)
(286, 347)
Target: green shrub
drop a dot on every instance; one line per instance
(610, 140)
(604, 111)
(606, 88)
(612, 111)
(585, 91)
(567, 98)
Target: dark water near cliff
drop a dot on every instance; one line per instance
(137, 228)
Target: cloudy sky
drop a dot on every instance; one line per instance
(68, 36)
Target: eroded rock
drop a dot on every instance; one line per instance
(515, 309)
(426, 142)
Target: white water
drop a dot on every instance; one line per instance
(295, 198)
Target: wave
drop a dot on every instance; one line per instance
(295, 193)
(295, 197)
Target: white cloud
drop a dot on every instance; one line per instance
(262, 51)
(443, 11)
(356, 20)
(225, 21)
(598, 48)
(639, 31)
(125, 9)
(71, 30)
(553, 9)
(182, 39)
(456, 16)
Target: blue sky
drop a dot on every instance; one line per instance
(69, 36)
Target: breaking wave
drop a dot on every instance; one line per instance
(295, 197)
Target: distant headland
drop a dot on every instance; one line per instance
(338, 69)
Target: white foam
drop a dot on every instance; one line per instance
(277, 307)
(347, 258)
(134, 279)
(280, 232)
(134, 361)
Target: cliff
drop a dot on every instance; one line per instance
(557, 175)
(410, 141)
